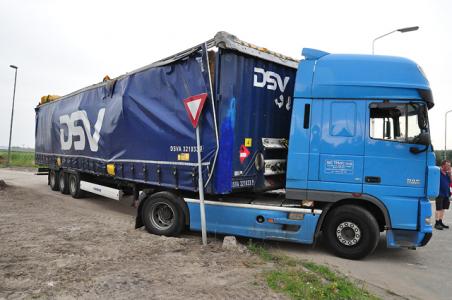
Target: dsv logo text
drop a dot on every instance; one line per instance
(272, 81)
(79, 131)
(269, 78)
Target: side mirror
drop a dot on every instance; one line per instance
(423, 139)
(421, 120)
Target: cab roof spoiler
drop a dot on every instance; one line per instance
(313, 54)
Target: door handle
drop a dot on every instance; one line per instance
(372, 179)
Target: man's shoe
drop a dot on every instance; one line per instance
(442, 224)
(438, 226)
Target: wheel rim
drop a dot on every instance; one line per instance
(162, 216)
(72, 184)
(62, 182)
(52, 179)
(348, 233)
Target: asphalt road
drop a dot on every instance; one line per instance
(423, 273)
(413, 274)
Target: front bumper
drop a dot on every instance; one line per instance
(426, 239)
(399, 238)
(407, 238)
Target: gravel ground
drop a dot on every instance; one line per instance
(53, 246)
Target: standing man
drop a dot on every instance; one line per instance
(442, 201)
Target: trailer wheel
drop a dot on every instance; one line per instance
(53, 180)
(352, 232)
(63, 182)
(74, 186)
(163, 214)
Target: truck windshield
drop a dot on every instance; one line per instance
(401, 122)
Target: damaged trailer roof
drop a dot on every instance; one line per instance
(221, 40)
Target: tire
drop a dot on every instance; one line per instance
(63, 183)
(74, 186)
(352, 232)
(163, 214)
(53, 180)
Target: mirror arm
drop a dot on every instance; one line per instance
(415, 150)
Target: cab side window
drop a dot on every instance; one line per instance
(397, 122)
(343, 119)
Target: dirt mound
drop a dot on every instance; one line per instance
(3, 185)
(87, 248)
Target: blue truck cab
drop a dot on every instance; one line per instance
(359, 138)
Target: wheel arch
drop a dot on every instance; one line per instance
(371, 204)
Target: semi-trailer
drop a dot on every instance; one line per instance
(333, 144)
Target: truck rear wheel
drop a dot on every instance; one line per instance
(74, 186)
(163, 214)
(53, 180)
(63, 182)
(352, 232)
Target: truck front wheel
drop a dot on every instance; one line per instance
(352, 232)
(163, 214)
(53, 180)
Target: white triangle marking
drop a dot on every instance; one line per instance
(193, 107)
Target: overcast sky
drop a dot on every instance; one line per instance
(61, 46)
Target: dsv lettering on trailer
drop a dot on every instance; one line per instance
(272, 81)
(269, 78)
(79, 131)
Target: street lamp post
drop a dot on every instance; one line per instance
(12, 115)
(401, 30)
(445, 133)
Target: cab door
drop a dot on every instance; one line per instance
(394, 169)
(340, 146)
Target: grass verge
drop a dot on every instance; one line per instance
(18, 159)
(306, 280)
